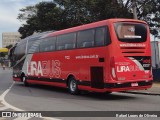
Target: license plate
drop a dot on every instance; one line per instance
(134, 84)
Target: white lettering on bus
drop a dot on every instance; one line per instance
(33, 67)
(129, 68)
(133, 45)
(56, 68)
(122, 68)
(39, 71)
(44, 68)
(87, 57)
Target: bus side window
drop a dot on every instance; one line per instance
(66, 41)
(51, 43)
(100, 36)
(20, 51)
(107, 36)
(85, 38)
(33, 45)
(38, 47)
(43, 45)
(60, 42)
(48, 44)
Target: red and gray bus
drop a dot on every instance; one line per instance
(106, 56)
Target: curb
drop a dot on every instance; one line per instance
(144, 93)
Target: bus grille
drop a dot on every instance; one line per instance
(133, 50)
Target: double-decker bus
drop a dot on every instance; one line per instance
(106, 56)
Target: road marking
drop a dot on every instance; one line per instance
(21, 118)
(8, 106)
(49, 118)
(3, 108)
(123, 93)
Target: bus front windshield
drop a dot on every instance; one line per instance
(131, 32)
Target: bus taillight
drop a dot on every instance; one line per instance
(113, 72)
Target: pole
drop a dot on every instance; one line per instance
(155, 47)
(134, 9)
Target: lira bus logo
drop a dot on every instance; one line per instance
(129, 68)
(44, 68)
(122, 68)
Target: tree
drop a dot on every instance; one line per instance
(9, 46)
(27, 13)
(44, 16)
(79, 12)
(61, 14)
(147, 10)
(74, 12)
(105, 9)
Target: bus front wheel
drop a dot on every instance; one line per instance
(73, 86)
(24, 80)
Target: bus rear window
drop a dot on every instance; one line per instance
(131, 32)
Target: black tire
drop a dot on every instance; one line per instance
(73, 86)
(107, 93)
(24, 80)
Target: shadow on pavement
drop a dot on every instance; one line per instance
(56, 92)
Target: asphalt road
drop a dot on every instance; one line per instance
(45, 98)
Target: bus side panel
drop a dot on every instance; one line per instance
(60, 64)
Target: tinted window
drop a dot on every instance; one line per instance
(100, 36)
(33, 46)
(85, 38)
(48, 44)
(66, 41)
(129, 32)
(30, 43)
(20, 51)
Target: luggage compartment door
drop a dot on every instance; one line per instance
(97, 77)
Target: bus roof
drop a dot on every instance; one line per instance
(38, 35)
(94, 24)
(35, 36)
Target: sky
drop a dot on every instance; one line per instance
(9, 10)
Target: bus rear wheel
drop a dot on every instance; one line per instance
(73, 86)
(107, 93)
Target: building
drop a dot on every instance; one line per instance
(10, 38)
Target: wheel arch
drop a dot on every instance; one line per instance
(69, 76)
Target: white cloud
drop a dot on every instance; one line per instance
(9, 10)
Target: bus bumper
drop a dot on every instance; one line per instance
(119, 87)
(17, 79)
(140, 85)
